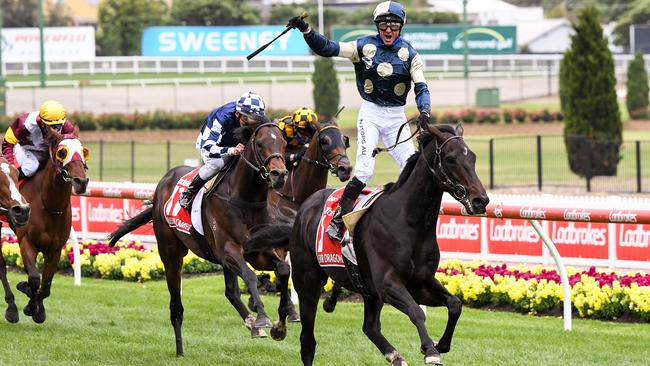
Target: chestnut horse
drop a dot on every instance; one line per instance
(395, 244)
(15, 209)
(236, 208)
(48, 229)
(326, 153)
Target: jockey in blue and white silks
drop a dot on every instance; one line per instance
(385, 66)
(216, 141)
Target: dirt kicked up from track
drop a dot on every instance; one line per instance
(470, 130)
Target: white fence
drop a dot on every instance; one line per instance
(508, 64)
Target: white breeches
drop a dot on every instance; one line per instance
(375, 122)
(29, 160)
(211, 166)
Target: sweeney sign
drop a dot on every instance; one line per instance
(445, 39)
(220, 41)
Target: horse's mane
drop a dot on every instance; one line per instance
(243, 134)
(424, 139)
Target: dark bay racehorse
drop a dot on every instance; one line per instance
(235, 209)
(48, 193)
(395, 244)
(16, 211)
(326, 153)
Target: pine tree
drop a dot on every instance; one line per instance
(637, 88)
(326, 87)
(593, 128)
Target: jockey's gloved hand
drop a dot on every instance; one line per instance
(423, 120)
(299, 23)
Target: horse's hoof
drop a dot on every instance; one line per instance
(396, 359)
(258, 333)
(11, 315)
(24, 288)
(263, 322)
(329, 305)
(279, 331)
(293, 318)
(29, 309)
(39, 316)
(433, 360)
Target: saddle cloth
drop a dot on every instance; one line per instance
(176, 216)
(329, 252)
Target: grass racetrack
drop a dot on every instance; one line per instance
(123, 323)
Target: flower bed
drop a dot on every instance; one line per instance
(594, 294)
(127, 260)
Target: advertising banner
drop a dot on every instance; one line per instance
(633, 242)
(459, 234)
(221, 41)
(61, 44)
(103, 215)
(445, 39)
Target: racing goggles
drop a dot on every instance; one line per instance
(394, 26)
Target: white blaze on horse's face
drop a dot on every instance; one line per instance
(70, 150)
(15, 194)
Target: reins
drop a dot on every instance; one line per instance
(456, 189)
(261, 164)
(377, 150)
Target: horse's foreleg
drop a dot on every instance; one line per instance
(12, 311)
(235, 262)
(50, 267)
(398, 296)
(435, 294)
(29, 287)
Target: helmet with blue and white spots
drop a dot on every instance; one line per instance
(250, 103)
(389, 11)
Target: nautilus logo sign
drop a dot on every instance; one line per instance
(483, 39)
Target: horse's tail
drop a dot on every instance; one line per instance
(270, 237)
(130, 225)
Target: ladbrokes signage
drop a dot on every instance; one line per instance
(445, 39)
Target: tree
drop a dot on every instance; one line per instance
(326, 87)
(214, 12)
(637, 88)
(639, 13)
(59, 15)
(121, 23)
(593, 128)
(24, 14)
(19, 13)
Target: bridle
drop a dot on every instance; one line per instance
(457, 190)
(323, 160)
(260, 164)
(59, 169)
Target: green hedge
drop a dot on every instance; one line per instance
(138, 121)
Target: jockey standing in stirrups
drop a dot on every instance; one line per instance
(216, 142)
(297, 129)
(24, 144)
(385, 65)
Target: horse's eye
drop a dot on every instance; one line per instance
(346, 141)
(86, 153)
(450, 159)
(325, 140)
(62, 153)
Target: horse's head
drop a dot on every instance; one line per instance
(69, 158)
(264, 149)
(332, 145)
(12, 202)
(450, 159)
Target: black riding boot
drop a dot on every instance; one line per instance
(350, 194)
(188, 196)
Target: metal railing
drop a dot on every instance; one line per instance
(536, 162)
(530, 63)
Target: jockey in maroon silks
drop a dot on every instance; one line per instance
(24, 143)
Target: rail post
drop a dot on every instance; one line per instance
(491, 146)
